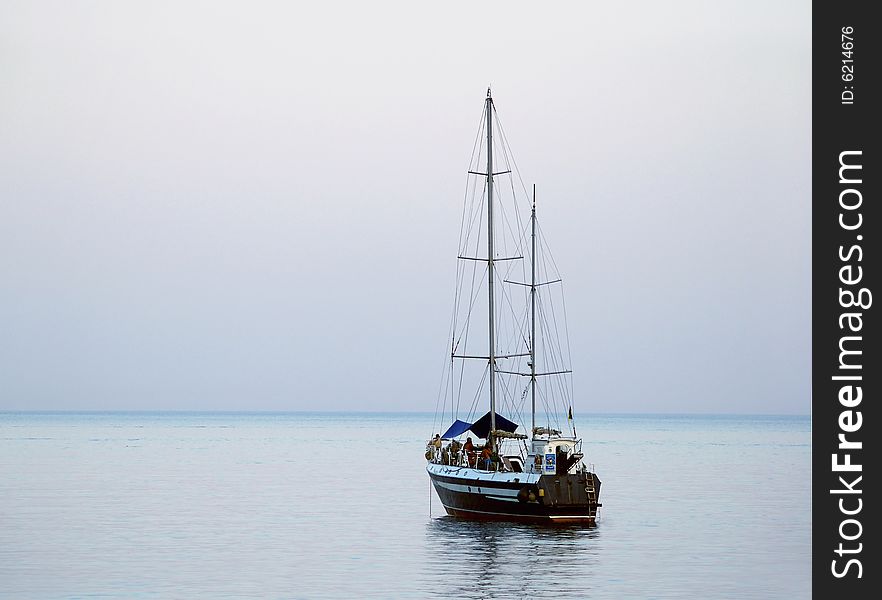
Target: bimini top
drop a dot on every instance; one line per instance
(480, 428)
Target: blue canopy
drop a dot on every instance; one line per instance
(480, 428)
(457, 429)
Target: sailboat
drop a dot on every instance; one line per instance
(535, 476)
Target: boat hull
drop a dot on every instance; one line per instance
(522, 497)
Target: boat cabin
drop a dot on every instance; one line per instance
(555, 456)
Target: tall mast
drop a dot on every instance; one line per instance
(533, 315)
(492, 353)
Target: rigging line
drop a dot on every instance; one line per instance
(473, 294)
(511, 266)
(449, 382)
(461, 268)
(442, 394)
(511, 233)
(471, 185)
(554, 365)
(478, 393)
(548, 413)
(517, 408)
(464, 248)
(473, 291)
(471, 158)
(503, 396)
(549, 335)
(563, 301)
(521, 225)
(507, 397)
(460, 273)
(548, 270)
(521, 405)
(438, 397)
(524, 233)
(552, 414)
(541, 233)
(554, 318)
(453, 338)
(516, 327)
(560, 356)
(442, 383)
(514, 208)
(507, 232)
(560, 364)
(521, 251)
(446, 379)
(505, 290)
(514, 195)
(473, 217)
(511, 410)
(465, 336)
(447, 376)
(452, 381)
(480, 215)
(468, 203)
(514, 162)
(502, 203)
(557, 330)
(509, 158)
(569, 355)
(519, 239)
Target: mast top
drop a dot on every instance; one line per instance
(488, 92)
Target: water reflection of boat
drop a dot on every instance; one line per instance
(475, 559)
(540, 477)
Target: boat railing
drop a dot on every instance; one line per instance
(462, 458)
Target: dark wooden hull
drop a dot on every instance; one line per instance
(551, 499)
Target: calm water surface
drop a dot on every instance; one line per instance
(338, 505)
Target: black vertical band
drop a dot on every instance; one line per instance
(846, 370)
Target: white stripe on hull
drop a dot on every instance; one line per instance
(495, 493)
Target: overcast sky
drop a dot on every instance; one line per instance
(254, 205)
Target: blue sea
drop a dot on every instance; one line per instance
(338, 505)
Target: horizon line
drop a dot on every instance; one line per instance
(375, 412)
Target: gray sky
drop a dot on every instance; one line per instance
(256, 205)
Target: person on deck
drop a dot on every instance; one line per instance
(469, 449)
(433, 448)
(486, 455)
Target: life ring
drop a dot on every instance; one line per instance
(528, 493)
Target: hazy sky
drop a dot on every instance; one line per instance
(255, 205)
